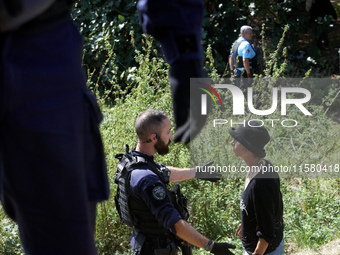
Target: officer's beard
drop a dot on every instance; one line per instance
(161, 147)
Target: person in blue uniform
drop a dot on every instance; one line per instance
(242, 58)
(177, 26)
(52, 166)
(157, 221)
(261, 228)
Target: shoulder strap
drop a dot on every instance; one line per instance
(162, 172)
(136, 161)
(235, 55)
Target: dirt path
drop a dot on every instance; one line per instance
(332, 248)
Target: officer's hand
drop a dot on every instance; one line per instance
(222, 249)
(186, 102)
(192, 127)
(204, 173)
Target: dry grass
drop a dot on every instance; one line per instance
(332, 248)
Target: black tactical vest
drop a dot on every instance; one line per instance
(133, 212)
(238, 60)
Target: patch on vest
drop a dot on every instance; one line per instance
(248, 50)
(158, 193)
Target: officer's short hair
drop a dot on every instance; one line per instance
(149, 122)
(245, 29)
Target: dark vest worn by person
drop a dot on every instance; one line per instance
(238, 60)
(135, 212)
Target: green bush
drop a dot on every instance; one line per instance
(9, 238)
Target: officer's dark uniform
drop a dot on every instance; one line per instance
(52, 166)
(153, 212)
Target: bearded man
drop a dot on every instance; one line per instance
(144, 201)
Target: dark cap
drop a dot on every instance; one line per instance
(253, 135)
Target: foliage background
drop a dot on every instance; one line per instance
(127, 72)
(114, 25)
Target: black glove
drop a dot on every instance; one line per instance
(204, 174)
(222, 248)
(187, 111)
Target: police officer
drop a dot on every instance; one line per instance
(52, 166)
(242, 58)
(157, 223)
(177, 26)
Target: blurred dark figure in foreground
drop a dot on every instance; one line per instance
(52, 166)
(177, 26)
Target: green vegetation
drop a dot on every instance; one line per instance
(215, 207)
(311, 205)
(128, 85)
(116, 23)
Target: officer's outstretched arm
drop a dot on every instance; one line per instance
(200, 172)
(180, 174)
(192, 236)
